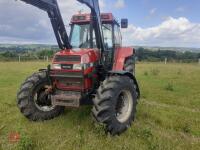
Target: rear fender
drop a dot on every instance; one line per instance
(120, 57)
(130, 75)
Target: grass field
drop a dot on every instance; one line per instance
(168, 114)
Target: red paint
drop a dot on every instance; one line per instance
(87, 56)
(91, 54)
(120, 56)
(105, 17)
(75, 19)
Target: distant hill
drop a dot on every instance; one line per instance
(179, 49)
(29, 47)
(38, 47)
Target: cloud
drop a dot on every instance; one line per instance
(153, 11)
(102, 4)
(23, 21)
(171, 32)
(119, 4)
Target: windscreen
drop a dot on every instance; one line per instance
(80, 36)
(83, 37)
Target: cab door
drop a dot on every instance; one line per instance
(117, 37)
(108, 40)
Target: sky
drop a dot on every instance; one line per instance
(167, 23)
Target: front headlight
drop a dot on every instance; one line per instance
(56, 66)
(77, 67)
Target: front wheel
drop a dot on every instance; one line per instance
(115, 104)
(34, 100)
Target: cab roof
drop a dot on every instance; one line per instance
(86, 18)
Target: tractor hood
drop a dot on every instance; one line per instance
(74, 56)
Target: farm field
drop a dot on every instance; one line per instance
(168, 113)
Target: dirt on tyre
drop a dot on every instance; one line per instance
(115, 104)
(34, 101)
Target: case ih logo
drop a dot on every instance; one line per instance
(14, 137)
(68, 67)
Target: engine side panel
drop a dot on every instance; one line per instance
(120, 57)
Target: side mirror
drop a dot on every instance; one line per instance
(124, 23)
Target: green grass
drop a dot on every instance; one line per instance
(168, 114)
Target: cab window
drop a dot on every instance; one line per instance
(107, 33)
(117, 36)
(80, 36)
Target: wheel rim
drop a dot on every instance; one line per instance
(42, 99)
(124, 106)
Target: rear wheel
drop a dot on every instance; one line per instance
(34, 99)
(130, 65)
(115, 104)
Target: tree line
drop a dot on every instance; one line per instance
(26, 55)
(142, 54)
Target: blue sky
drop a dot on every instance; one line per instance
(151, 22)
(159, 22)
(146, 13)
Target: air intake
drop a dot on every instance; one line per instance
(65, 58)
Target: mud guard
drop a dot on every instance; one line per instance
(125, 73)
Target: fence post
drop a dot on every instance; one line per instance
(165, 60)
(47, 58)
(199, 61)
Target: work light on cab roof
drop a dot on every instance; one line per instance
(81, 18)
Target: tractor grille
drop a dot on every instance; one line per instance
(68, 80)
(66, 58)
(71, 82)
(67, 74)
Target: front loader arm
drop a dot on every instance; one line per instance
(52, 8)
(97, 24)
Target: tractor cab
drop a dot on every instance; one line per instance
(82, 34)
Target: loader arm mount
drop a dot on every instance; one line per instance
(52, 8)
(97, 23)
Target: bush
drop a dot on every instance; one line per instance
(169, 87)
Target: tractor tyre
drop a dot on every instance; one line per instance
(115, 104)
(34, 101)
(130, 65)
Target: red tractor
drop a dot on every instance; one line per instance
(92, 68)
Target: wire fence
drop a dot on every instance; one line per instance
(25, 59)
(49, 59)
